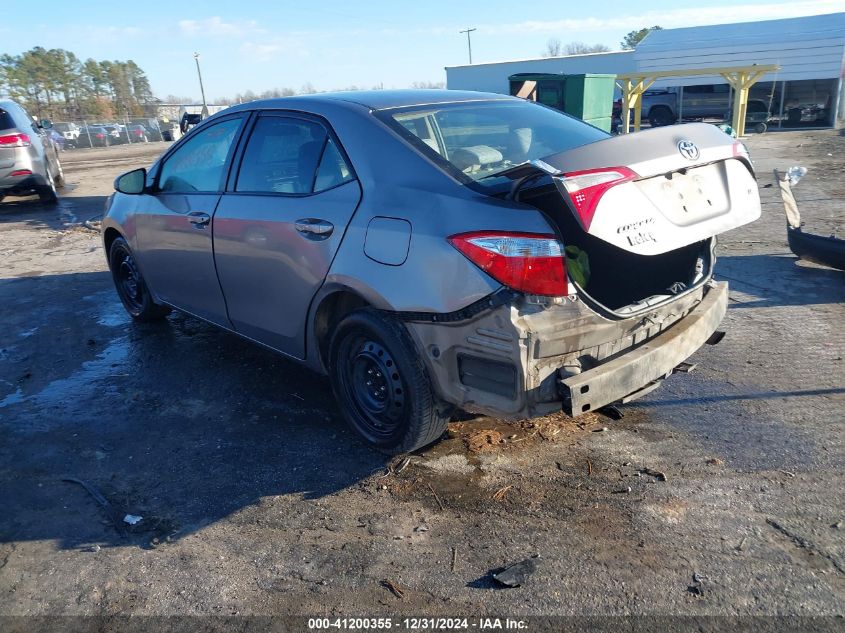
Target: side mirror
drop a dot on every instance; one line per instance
(47, 124)
(132, 182)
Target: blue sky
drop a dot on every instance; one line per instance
(251, 45)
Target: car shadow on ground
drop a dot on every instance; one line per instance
(31, 212)
(177, 422)
(780, 280)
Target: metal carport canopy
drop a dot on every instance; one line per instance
(741, 78)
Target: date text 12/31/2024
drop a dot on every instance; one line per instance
(417, 624)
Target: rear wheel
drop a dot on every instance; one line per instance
(131, 289)
(382, 385)
(660, 116)
(760, 128)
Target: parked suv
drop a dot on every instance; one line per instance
(69, 130)
(29, 159)
(438, 249)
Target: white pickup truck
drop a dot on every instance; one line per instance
(660, 106)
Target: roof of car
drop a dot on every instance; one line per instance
(378, 99)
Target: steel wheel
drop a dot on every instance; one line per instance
(130, 285)
(382, 385)
(129, 282)
(374, 386)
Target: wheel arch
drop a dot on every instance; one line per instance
(332, 306)
(110, 234)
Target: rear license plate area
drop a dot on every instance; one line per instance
(690, 196)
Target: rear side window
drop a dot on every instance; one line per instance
(333, 169)
(6, 120)
(473, 141)
(291, 156)
(198, 165)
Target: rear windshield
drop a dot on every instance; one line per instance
(474, 141)
(6, 121)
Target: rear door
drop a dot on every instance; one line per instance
(279, 224)
(173, 223)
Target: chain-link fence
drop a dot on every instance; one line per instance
(97, 131)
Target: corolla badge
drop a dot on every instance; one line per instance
(688, 149)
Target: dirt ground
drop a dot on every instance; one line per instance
(720, 493)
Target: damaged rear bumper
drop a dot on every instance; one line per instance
(655, 359)
(518, 360)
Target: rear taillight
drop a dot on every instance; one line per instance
(15, 140)
(532, 263)
(100, 135)
(585, 188)
(740, 150)
(21, 172)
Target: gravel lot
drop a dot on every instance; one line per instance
(257, 500)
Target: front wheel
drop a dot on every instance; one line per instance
(47, 192)
(60, 175)
(130, 285)
(382, 384)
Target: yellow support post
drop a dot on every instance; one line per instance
(632, 91)
(741, 78)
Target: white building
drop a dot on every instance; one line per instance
(493, 77)
(809, 50)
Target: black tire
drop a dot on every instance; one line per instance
(761, 128)
(131, 289)
(47, 193)
(59, 179)
(660, 116)
(382, 385)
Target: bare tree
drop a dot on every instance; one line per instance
(553, 48)
(579, 48)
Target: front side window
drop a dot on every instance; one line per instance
(198, 165)
(287, 155)
(474, 141)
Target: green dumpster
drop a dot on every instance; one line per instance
(588, 97)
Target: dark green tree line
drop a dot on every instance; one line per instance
(55, 84)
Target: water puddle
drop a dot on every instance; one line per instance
(64, 392)
(12, 398)
(109, 311)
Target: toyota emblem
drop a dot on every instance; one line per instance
(688, 149)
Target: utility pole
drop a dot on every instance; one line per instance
(469, 43)
(202, 90)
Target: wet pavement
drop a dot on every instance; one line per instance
(256, 499)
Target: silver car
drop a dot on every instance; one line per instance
(433, 250)
(29, 159)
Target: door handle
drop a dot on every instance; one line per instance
(312, 226)
(199, 218)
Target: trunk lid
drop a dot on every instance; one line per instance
(690, 182)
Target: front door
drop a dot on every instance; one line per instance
(277, 231)
(174, 223)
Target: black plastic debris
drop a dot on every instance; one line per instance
(516, 574)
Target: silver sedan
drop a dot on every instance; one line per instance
(433, 250)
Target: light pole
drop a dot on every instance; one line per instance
(202, 90)
(469, 43)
